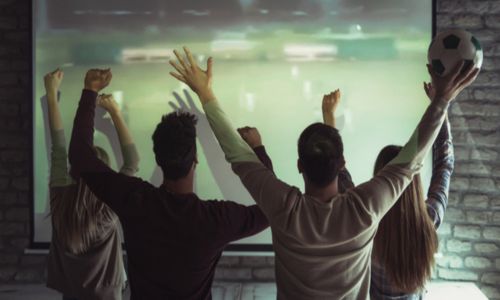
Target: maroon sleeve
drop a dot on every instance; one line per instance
(263, 157)
(82, 155)
(237, 221)
(109, 186)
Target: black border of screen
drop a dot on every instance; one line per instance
(45, 245)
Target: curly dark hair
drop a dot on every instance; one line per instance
(174, 144)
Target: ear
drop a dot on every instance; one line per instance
(342, 166)
(299, 166)
(195, 163)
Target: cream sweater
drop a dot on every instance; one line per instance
(323, 249)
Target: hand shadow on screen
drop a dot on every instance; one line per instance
(229, 184)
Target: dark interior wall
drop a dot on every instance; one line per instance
(470, 237)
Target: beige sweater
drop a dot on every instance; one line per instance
(98, 273)
(323, 249)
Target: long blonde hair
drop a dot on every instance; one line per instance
(406, 239)
(80, 219)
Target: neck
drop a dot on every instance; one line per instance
(180, 186)
(324, 193)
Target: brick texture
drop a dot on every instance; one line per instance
(470, 236)
(472, 247)
(15, 145)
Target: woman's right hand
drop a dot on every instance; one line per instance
(108, 103)
(53, 81)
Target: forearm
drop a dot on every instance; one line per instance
(413, 153)
(121, 128)
(329, 119)
(55, 120)
(129, 150)
(82, 155)
(442, 168)
(261, 153)
(233, 146)
(58, 160)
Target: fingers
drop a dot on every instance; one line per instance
(469, 79)
(455, 73)
(209, 67)
(107, 76)
(181, 60)
(432, 73)
(178, 77)
(465, 74)
(244, 131)
(181, 101)
(178, 68)
(190, 99)
(191, 60)
(337, 94)
(173, 106)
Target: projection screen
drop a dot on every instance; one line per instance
(273, 61)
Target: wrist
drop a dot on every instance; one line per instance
(257, 145)
(114, 113)
(91, 88)
(51, 93)
(206, 95)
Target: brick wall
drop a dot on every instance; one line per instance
(470, 238)
(15, 143)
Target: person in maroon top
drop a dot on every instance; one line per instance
(173, 239)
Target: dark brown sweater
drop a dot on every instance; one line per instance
(173, 242)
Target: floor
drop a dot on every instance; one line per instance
(249, 291)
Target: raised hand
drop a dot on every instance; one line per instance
(429, 90)
(53, 81)
(200, 81)
(449, 86)
(251, 136)
(329, 106)
(97, 79)
(108, 103)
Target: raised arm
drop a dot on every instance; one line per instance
(379, 194)
(252, 137)
(58, 157)
(329, 106)
(200, 81)
(129, 150)
(443, 162)
(106, 184)
(265, 188)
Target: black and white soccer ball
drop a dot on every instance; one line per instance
(450, 47)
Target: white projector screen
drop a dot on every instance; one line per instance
(273, 61)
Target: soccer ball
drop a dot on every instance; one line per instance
(450, 47)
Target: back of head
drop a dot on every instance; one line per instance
(80, 222)
(174, 144)
(321, 153)
(406, 240)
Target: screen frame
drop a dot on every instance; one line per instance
(231, 249)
